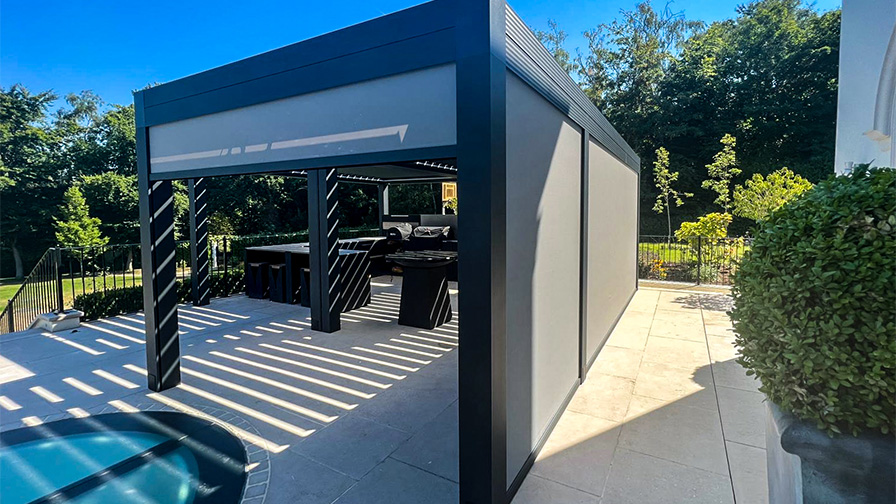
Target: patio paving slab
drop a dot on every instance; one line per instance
(308, 482)
(579, 452)
(743, 416)
(619, 361)
(748, 473)
(688, 329)
(641, 479)
(394, 482)
(537, 490)
(629, 336)
(731, 374)
(672, 383)
(676, 352)
(679, 433)
(352, 446)
(603, 396)
(434, 448)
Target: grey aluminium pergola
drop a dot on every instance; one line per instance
(548, 212)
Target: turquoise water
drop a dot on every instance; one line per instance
(31, 470)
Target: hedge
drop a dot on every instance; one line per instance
(815, 304)
(112, 302)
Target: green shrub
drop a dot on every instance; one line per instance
(815, 304)
(112, 302)
(225, 285)
(101, 304)
(707, 273)
(712, 225)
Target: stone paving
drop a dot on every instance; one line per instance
(365, 415)
(369, 414)
(666, 415)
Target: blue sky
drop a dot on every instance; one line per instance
(114, 47)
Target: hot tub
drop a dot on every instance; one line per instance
(150, 457)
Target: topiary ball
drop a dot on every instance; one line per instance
(815, 304)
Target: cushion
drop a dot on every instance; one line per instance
(421, 231)
(399, 231)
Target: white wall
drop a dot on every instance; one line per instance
(612, 238)
(543, 212)
(866, 31)
(411, 110)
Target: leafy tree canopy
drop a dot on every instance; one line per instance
(767, 76)
(75, 227)
(29, 179)
(713, 225)
(113, 199)
(760, 196)
(553, 39)
(722, 169)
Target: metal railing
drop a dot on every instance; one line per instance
(39, 293)
(65, 273)
(698, 260)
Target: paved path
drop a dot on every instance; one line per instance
(665, 416)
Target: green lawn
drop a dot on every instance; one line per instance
(71, 289)
(8, 287)
(677, 252)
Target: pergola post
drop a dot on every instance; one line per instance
(199, 269)
(482, 170)
(382, 201)
(323, 231)
(157, 248)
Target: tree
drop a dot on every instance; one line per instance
(415, 198)
(711, 226)
(760, 196)
(113, 199)
(722, 169)
(115, 139)
(75, 227)
(553, 40)
(357, 206)
(73, 138)
(626, 62)
(667, 194)
(28, 180)
(767, 75)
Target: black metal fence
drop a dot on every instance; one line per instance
(40, 293)
(697, 260)
(64, 274)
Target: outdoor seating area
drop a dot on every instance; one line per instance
(282, 273)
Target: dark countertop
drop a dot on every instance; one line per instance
(295, 248)
(423, 257)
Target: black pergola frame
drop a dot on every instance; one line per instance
(483, 39)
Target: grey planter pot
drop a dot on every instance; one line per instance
(805, 465)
